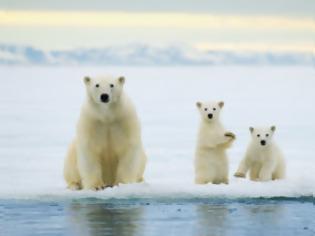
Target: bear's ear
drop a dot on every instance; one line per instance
(273, 128)
(251, 129)
(121, 79)
(221, 104)
(198, 104)
(87, 79)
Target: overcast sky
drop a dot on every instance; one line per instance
(224, 24)
(278, 7)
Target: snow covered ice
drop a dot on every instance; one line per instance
(40, 107)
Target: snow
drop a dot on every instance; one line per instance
(40, 105)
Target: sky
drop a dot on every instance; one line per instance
(285, 25)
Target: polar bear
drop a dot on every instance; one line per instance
(107, 149)
(263, 158)
(211, 163)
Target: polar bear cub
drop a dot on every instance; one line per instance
(107, 149)
(211, 163)
(263, 158)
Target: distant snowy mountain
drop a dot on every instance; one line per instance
(147, 55)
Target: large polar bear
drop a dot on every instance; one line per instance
(107, 149)
(211, 163)
(263, 158)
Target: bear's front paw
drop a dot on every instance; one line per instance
(230, 135)
(74, 186)
(99, 187)
(239, 175)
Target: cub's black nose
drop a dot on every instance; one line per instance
(210, 116)
(263, 142)
(104, 97)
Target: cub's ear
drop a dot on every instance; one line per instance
(121, 79)
(198, 104)
(221, 104)
(87, 79)
(273, 128)
(251, 129)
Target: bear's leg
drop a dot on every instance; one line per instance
(140, 177)
(129, 167)
(223, 172)
(74, 186)
(201, 180)
(279, 173)
(265, 173)
(254, 172)
(90, 170)
(242, 169)
(223, 180)
(221, 176)
(204, 173)
(71, 173)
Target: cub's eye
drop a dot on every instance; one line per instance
(258, 135)
(214, 109)
(267, 135)
(97, 85)
(111, 85)
(206, 109)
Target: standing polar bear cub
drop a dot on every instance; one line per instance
(107, 149)
(211, 163)
(263, 158)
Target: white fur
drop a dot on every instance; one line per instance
(211, 163)
(264, 162)
(107, 149)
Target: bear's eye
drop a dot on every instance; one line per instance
(258, 135)
(267, 135)
(214, 109)
(97, 85)
(206, 109)
(111, 85)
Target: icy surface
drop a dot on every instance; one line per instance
(40, 106)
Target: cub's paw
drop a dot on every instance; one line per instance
(239, 175)
(230, 135)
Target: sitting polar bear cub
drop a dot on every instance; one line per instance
(107, 149)
(263, 158)
(211, 163)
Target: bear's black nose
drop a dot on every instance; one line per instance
(263, 142)
(104, 97)
(210, 116)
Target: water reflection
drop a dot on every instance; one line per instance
(260, 218)
(238, 218)
(211, 219)
(103, 219)
(146, 217)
